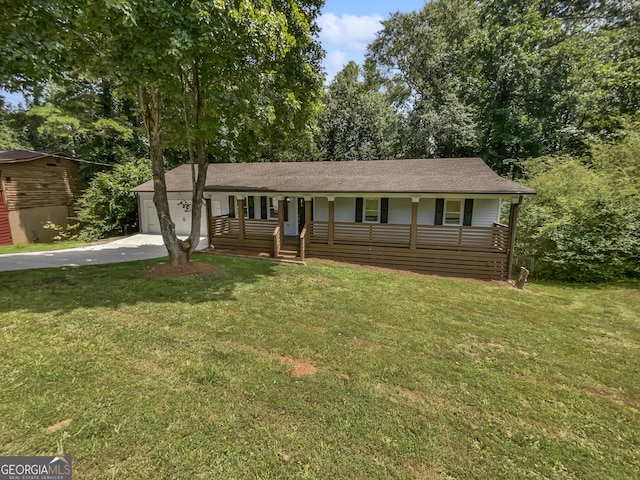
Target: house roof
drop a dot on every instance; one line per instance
(17, 156)
(428, 175)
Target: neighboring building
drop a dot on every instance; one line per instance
(35, 187)
(436, 216)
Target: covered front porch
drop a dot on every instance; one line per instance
(468, 251)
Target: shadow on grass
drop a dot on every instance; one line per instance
(110, 286)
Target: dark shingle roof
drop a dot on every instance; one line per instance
(17, 156)
(439, 175)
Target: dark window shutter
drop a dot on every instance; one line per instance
(251, 206)
(286, 210)
(384, 210)
(232, 206)
(359, 203)
(263, 208)
(312, 200)
(468, 212)
(439, 211)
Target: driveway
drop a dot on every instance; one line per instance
(137, 247)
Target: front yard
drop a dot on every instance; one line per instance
(266, 370)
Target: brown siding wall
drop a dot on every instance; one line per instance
(44, 182)
(35, 192)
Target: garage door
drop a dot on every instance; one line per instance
(180, 214)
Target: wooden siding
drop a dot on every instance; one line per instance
(484, 266)
(43, 182)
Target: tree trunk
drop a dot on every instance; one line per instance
(151, 108)
(199, 176)
(524, 274)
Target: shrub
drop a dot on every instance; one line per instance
(584, 223)
(108, 206)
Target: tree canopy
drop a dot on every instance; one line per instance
(222, 81)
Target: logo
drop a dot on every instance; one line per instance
(35, 468)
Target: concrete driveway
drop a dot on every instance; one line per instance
(137, 247)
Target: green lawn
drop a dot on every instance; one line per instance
(417, 377)
(40, 247)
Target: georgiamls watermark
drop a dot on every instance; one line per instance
(35, 468)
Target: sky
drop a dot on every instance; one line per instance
(348, 26)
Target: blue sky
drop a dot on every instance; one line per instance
(348, 26)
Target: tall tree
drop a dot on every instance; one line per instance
(358, 122)
(424, 56)
(511, 78)
(214, 78)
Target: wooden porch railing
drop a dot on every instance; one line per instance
(225, 226)
(490, 239)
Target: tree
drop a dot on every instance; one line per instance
(216, 79)
(357, 122)
(511, 79)
(584, 222)
(424, 59)
(107, 205)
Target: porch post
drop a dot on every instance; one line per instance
(332, 204)
(209, 215)
(241, 216)
(513, 219)
(413, 235)
(281, 217)
(307, 210)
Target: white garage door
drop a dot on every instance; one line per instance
(180, 215)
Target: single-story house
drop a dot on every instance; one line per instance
(439, 216)
(35, 187)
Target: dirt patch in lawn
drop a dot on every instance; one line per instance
(299, 368)
(191, 269)
(58, 426)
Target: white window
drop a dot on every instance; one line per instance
(372, 210)
(452, 212)
(273, 208)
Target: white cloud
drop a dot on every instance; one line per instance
(349, 32)
(336, 60)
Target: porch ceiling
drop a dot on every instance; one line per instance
(419, 176)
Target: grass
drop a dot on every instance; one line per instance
(417, 377)
(40, 247)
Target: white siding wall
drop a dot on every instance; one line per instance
(426, 211)
(485, 212)
(345, 209)
(400, 210)
(321, 206)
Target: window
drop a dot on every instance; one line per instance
(453, 212)
(372, 210)
(273, 208)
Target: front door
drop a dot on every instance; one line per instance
(291, 216)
